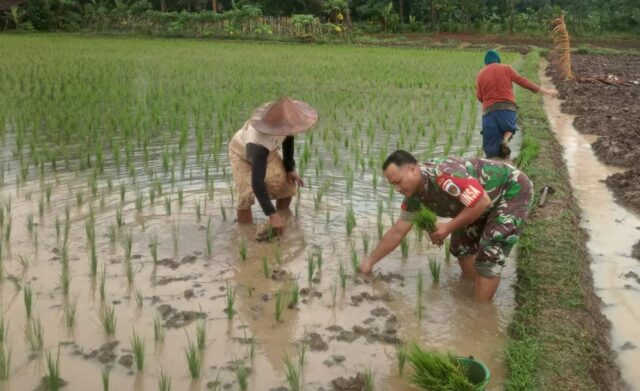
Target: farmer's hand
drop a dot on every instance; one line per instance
(276, 223)
(366, 266)
(293, 177)
(438, 236)
(549, 91)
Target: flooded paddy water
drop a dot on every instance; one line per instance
(118, 216)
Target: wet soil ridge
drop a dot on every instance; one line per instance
(611, 111)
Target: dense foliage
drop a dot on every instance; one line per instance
(490, 16)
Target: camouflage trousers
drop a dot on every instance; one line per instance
(493, 235)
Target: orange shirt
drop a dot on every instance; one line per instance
(493, 84)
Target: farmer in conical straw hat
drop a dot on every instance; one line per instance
(499, 110)
(486, 200)
(260, 169)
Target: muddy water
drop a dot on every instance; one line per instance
(355, 331)
(612, 231)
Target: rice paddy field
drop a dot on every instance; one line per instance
(122, 266)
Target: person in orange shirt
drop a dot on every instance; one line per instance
(499, 110)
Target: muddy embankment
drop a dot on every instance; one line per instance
(611, 112)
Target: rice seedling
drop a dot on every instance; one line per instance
(404, 247)
(265, 267)
(102, 284)
(198, 210)
(107, 315)
(35, 335)
(129, 270)
(350, 222)
(180, 198)
(277, 254)
(401, 355)
(164, 381)
(279, 305)
(311, 268)
(167, 205)
(447, 250)
(175, 230)
(70, 314)
(355, 262)
(223, 212)
(425, 219)
(158, 330)
(4, 330)
(127, 244)
(436, 371)
(119, 217)
(434, 268)
(139, 299)
(230, 302)
(5, 363)
(139, 202)
(27, 295)
(201, 334)
(194, 359)
(52, 380)
(293, 372)
(343, 275)
(368, 380)
(318, 255)
(294, 294)
(112, 234)
(334, 294)
(93, 254)
(365, 242)
(105, 378)
(243, 249)
(122, 192)
(242, 373)
(420, 283)
(138, 348)
(30, 224)
(153, 247)
(209, 239)
(79, 198)
(7, 230)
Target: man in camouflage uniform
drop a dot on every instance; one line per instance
(487, 201)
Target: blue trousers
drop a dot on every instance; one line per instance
(494, 125)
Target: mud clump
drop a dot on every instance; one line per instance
(316, 343)
(349, 384)
(279, 275)
(178, 319)
(170, 263)
(357, 299)
(45, 386)
(126, 360)
(626, 187)
(635, 251)
(105, 354)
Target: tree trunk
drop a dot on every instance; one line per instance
(163, 6)
(433, 15)
(401, 9)
(214, 6)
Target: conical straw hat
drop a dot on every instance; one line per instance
(284, 117)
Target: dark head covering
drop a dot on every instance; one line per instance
(491, 57)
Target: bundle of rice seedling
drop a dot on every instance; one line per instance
(425, 219)
(439, 372)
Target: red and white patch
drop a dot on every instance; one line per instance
(451, 188)
(470, 195)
